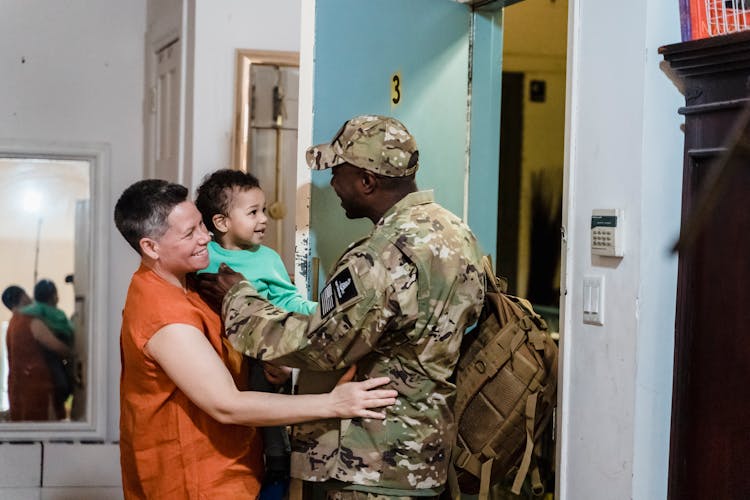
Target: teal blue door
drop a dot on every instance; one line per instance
(434, 65)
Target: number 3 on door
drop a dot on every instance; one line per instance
(396, 89)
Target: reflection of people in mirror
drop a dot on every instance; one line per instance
(184, 420)
(58, 356)
(30, 384)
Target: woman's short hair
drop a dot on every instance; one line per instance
(13, 295)
(143, 208)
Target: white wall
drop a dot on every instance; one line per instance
(625, 151)
(221, 27)
(73, 72)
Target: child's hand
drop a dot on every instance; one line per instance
(276, 375)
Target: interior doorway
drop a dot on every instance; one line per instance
(532, 153)
(532, 148)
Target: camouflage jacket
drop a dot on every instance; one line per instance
(397, 305)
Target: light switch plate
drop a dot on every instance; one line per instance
(593, 300)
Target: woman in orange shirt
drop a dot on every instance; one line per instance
(184, 420)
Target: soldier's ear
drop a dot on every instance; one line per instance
(368, 181)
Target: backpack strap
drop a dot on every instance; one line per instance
(484, 474)
(489, 273)
(467, 461)
(484, 480)
(453, 488)
(537, 488)
(526, 461)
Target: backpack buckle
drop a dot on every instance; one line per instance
(462, 458)
(525, 324)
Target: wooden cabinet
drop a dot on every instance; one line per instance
(710, 436)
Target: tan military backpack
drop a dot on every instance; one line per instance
(506, 390)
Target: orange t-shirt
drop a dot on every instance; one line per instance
(30, 386)
(170, 448)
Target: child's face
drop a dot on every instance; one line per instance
(246, 220)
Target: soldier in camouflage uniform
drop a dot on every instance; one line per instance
(397, 304)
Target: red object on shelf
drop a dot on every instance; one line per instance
(718, 17)
(698, 23)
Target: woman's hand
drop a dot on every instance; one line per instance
(354, 399)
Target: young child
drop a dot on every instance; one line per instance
(233, 207)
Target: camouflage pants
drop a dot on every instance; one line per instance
(362, 495)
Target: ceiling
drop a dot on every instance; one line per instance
(34, 190)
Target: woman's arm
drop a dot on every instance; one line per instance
(47, 339)
(191, 362)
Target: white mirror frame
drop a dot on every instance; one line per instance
(93, 426)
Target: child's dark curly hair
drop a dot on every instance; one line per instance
(214, 195)
(44, 291)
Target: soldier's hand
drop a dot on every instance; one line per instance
(212, 287)
(355, 399)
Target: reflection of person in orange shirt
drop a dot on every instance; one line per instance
(183, 415)
(30, 384)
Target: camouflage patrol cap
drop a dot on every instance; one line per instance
(377, 143)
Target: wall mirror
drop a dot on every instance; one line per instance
(53, 224)
(265, 137)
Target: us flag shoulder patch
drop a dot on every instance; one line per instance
(342, 290)
(326, 302)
